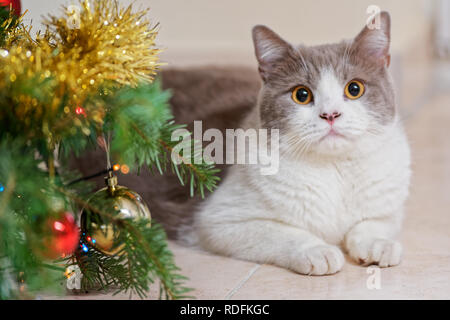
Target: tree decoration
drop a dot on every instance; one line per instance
(107, 46)
(119, 203)
(90, 74)
(11, 29)
(15, 5)
(61, 237)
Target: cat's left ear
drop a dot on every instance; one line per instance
(373, 41)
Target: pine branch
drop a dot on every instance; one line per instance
(25, 201)
(47, 100)
(144, 251)
(143, 127)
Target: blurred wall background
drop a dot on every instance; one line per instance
(197, 32)
(213, 31)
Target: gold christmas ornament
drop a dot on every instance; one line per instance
(117, 202)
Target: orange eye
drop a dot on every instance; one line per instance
(354, 89)
(302, 95)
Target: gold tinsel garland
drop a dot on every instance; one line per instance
(97, 44)
(15, 31)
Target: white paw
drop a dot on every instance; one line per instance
(384, 252)
(319, 260)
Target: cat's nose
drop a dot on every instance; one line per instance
(330, 117)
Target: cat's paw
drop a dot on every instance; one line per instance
(319, 260)
(383, 252)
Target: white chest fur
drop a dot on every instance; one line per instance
(324, 197)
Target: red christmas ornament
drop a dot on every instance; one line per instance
(63, 238)
(15, 5)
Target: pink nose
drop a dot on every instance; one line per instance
(330, 117)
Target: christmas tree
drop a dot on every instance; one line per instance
(87, 80)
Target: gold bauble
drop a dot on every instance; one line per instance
(113, 201)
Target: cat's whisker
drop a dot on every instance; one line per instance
(297, 146)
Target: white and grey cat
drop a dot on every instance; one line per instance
(344, 166)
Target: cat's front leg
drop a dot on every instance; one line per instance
(269, 241)
(372, 242)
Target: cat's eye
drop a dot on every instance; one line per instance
(354, 89)
(302, 95)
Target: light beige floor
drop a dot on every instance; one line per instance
(425, 270)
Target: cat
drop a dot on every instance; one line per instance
(344, 166)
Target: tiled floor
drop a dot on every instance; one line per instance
(425, 270)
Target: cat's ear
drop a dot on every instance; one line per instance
(373, 41)
(269, 48)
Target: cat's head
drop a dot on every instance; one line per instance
(327, 99)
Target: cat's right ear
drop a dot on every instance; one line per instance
(269, 47)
